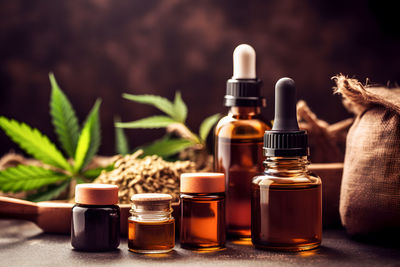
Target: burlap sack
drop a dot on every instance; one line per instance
(370, 192)
(327, 142)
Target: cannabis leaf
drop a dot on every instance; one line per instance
(175, 121)
(150, 122)
(92, 124)
(51, 182)
(121, 142)
(180, 108)
(64, 118)
(25, 177)
(159, 102)
(34, 143)
(94, 173)
(166, 146)
(83, 147)
(207, 125)
(49, 192)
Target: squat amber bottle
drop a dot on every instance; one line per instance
(286, 206)
(286, 200)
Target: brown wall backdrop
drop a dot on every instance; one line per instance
(106, 47)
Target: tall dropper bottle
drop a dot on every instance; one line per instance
(239, 140)
(286, 200)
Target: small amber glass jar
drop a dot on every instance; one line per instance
(202, 211)
(151, 228)
(95, 223)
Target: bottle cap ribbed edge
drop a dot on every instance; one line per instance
(244, 92)
(286, 144)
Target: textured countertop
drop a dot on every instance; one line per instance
(23, 244)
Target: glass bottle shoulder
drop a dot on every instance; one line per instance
(233, 127)
(202, 196)
(273, 180)
(83, 208)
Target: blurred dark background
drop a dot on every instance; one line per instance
(102, 48)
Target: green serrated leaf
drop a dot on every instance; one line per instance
(64, 118)
(25, 177)
(34, 143)
(50, 192)
(159, 102)
(94, 173)
(207, 125)
(89, 139)
(180, 108)
(121, 141)
(149, 123)
(82, 147)
(166, 146)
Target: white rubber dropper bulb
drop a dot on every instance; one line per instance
(244, 62)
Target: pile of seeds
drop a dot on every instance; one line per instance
(150, 174)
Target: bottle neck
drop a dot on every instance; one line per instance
(286, 166)
(151, 216)
(244, 112)
(153, 212)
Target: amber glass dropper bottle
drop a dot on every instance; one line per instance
(239, 140)
(286, 200)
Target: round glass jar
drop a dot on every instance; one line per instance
(95, 223)
(151, 228)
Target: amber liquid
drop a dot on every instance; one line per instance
(151, 237)
(287, 218)
(240, 160)
(202, 221)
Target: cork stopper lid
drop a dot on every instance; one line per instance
(151, 197)
(96, 194)
(202, 182)
(151, 202)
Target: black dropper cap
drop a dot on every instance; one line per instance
(244, 93)
(285, 139)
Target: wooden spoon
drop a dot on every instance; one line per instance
(55, 216)
(50, 216)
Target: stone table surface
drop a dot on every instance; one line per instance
(24, 244)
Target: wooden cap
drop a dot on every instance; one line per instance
(202, 182)
(96, 194)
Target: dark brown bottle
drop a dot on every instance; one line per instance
(286, 200)
(286, 206)
(95, 222)
(95, 227)
(239, 141)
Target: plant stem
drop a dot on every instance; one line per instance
(72, 184)
(183, 131)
